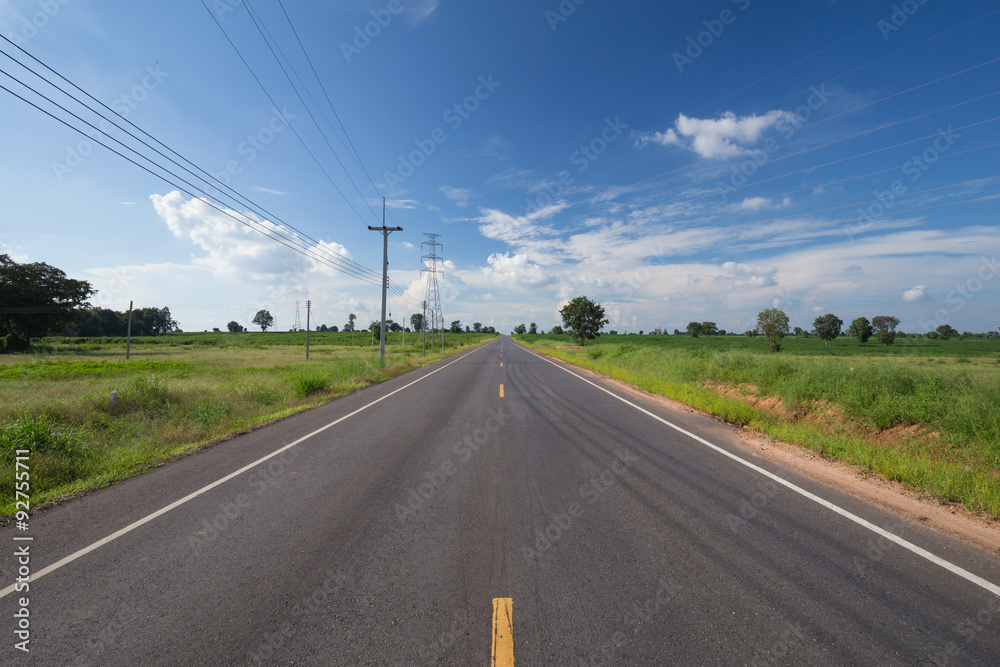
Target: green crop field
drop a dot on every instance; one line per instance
(923, 412)
(176, 393)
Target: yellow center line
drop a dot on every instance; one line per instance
(501, 391)
(503, 632)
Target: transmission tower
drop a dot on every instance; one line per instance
(298, 321)
(433, 298)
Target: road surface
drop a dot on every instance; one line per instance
(492, 502)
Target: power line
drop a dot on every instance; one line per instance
(350, 267)
(269, 97)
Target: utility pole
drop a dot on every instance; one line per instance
(423, 325)
(385, 275)
(128, 338)
(308, 306)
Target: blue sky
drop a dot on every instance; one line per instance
(673, 161)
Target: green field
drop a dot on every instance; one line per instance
(923, 412)
(176, 394)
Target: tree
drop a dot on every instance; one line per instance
(861, 329)
(709, 329)
(477, 327)
(885, 328)
(216, 329)
(694, 329)
(520, 329)
(235, 327)
(797, 331)
(557, 330)
(946, 331)
(933, 335)
(828, 327)
(456, 326)
(532, 328)
(773, 323)
(263, 319)
(350, 322)
(417, 321)
(583, 318)
(36, 299)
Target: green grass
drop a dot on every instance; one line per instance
(173, 397)
(927, 415)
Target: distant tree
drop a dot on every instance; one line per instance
(885, 328)
(677, 332)
(350, 322)
(640, 332)
(946, 332)
(392, 326)
(533, 328)
(417, 322)
(861, 329)
(610, 333)
(37, 299)
(709, 329)
(694, 329)
(583, 318)
(477, 327)
(456, 326)
(933, 335)
(557, 330)
(216, 329)
(750, 333)
(235, 327)
(828, 327)
(489, 330)
(520, 329)
(773, 323)
(263, 319)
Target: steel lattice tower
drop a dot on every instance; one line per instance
(433, 295)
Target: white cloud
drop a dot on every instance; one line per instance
(268, 191)
(723, 137)
(497, 148)
(513, 271)
(460, 196)
(755, 203)
(419, 10)
(500, 226)
(918, 293)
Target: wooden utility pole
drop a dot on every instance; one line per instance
(385, 275)
(128, 335)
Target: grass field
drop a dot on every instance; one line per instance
(176, 394)
(923, 412)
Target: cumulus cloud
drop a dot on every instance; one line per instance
(235, 248)
(760, 203)
(727, 136)
(515, 271)
(918, 293)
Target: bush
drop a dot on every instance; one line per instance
(306, 385)
(57, 457)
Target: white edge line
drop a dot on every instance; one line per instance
(923, 553)
(177, 503)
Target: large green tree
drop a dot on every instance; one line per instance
(583, 318)
(37, 299)
(773, 323)
(861, 329)
(828, 327)
(263, 319)
(885, 328)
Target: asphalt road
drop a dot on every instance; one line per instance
(386, 539)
